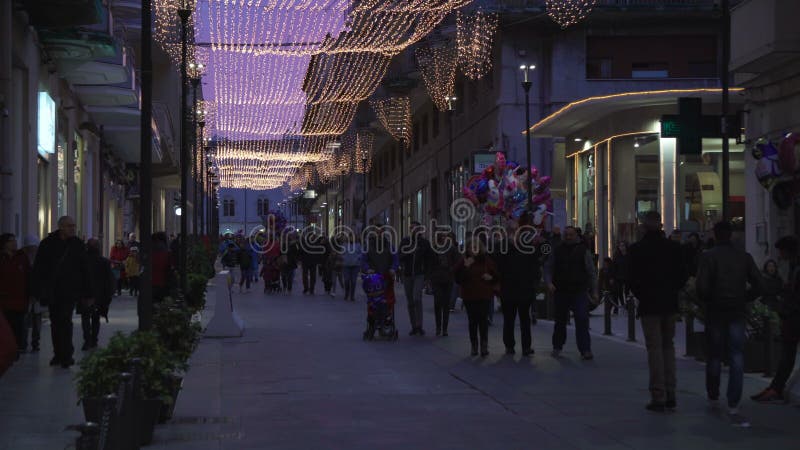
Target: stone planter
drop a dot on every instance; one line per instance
(167, 409)
(148, 417)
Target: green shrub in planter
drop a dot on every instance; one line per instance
(196, 295)
(99, 372)
(199, 259)
(175, 329)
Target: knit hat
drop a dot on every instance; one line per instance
(31, 240)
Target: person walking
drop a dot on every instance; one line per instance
(118, 255)
(351, 257)
(658, 274)
(30, 247)
(787, 304)
(445, 258)
(621, 276)
(102, 291)
(520, 271)
(61, 275)
(161, 267)
(570, 275)
(415, 259)
(133, 269)
(14, 295)
(723, 274)
(246, 253)
(477, 276)
(287, 263)
(335, 262)
(310, 251)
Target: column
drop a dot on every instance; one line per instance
(667, 195)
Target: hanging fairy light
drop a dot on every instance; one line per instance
(360, 145)
(438, 67)
(474, 38)
(569, 12)
(394, 113)
(167, 30)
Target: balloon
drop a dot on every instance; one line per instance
(534, 172)
(789, 153)
(541, 198)
(488, 172)
(500, 163)
(494, 198)
(375, 287)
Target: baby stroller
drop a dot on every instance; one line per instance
(271, 275)
(380, 308)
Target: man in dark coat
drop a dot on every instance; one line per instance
(61, 274)
(571, 275)
(658, 272)
(416, 258)
(723, 274)
(520, 271)
(102, 290)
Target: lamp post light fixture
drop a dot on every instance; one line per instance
(526, 86)
(184, 12)
(451, 188)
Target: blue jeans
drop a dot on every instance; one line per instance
(350, 277)
(720, 332)
(578, 303)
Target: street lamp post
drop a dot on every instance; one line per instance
(364, 190)
(526, 85)
(451, 188)
(402, 183)
(194, 76)
(144, 304)
(183, 14)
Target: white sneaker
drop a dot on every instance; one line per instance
(737, 419)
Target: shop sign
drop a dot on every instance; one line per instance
(46, 142)
(482, 160)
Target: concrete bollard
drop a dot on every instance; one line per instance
(89, 438)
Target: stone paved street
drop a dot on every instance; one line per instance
(302, 378)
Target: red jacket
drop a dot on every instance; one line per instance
(162, 268)
(473, 286)
(118, 255)
(14, 276)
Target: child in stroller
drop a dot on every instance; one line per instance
(380, 308)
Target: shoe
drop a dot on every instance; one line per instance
(528, 352)
(438, 331)
(34, 349)
(587, 356)
(671, 403)
(67, 364)
(55, 361)
(510, 351)
(769, 395)
(420, 332)
(452, 310)
(86, 346)
(413, 332)
(444, 333)
(556, 353)
(713, 403)
(484, 348)
(737, 419)
(656, 406)
(474, 351)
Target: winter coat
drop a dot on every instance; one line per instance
(102, 284)
(161, 267)
(723, 273)
(132, 267)
(470, 279)
(61, 270)
(571, 269)
(621, 267)
(443, 265)
(8, 345)
(380, 258)
(415, 256)
(658, 272)
(520, 273)
(351, 256)
(14, 273)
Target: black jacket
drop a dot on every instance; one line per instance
(658, 272)
(416, 256)
(571, 269)
(723, 274)
(102, 284)
(61, 270)
(443, 264)
(520, 273)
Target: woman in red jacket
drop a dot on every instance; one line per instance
(476, 273)
(14, 288)
(119, 253)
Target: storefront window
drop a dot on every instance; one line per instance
(62, 192)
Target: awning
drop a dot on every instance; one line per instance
(578, 114)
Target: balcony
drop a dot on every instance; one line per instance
(518, 6)
(765, 35)
(64, 13)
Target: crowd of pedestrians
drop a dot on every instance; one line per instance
(64, 275)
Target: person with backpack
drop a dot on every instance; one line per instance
(787, 304)
(723, 273)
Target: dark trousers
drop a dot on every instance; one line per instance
(578, 303)
(36, 329)
(720, 331)
(287, 279)
(16, 320)
(133, 285)
(309, 277)
(789, 334)
(90, 323)
(245, 279)
(61, 329)
(511, 308)
(350, 277)
(478, 315)
(441, 303)
(659, 335)
(120, 282)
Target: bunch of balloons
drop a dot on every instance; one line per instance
(275, 222)
(501, 191)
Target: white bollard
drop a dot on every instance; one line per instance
(225, 323)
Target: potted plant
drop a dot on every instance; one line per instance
(196, 293)
(760, 318)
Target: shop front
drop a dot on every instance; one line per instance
(619, 167)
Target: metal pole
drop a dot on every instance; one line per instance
(193, 155)
(402, 185)
(526, 85)
(451, 188)
(364, 194)
(184, 157)
(144, 304)
(726, 155)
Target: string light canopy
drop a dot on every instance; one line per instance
(360, 144)
(394, 113)
(438, 67)
(569, 12)
(474, 38)
(168, 31)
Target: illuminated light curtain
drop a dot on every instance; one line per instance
(394, 113)
(438, 67)
(569, 12)
(167, 30)
(360, 144)
(474, 38)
